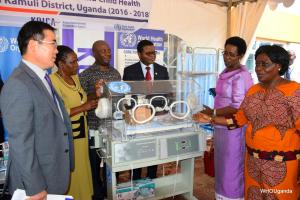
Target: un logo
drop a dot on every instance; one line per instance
(3, 44)
(117, 27)
(128, 39)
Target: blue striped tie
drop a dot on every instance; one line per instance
(51, 87)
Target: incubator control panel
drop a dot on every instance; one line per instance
(175, 146)
(135, 150)
(157, 148)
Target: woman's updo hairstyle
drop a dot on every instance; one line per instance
(63, 52)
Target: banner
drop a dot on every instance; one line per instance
(9, 54)
(127, 43)
(9, 51)
(117, 15)
(81, 41)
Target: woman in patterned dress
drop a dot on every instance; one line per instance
(271, 111)
(66, 83)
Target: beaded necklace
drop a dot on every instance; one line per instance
(75, 87)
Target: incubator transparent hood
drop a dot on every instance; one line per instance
(141, 107)
(147, 123)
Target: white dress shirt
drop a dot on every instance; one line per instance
(145, 70)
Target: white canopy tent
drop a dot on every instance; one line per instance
(209, 22)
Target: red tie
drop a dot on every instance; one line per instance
(148, 74)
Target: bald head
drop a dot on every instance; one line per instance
(292, 56)
(98, 43)
(101, 53)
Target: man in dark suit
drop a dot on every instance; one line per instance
(39, 129)
(147, 70)
(138, 71)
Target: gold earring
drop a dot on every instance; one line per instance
(279, 69)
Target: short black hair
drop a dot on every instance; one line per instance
(32, 30)
(63, 52)
(239, 43)
(142, 44)
(277, 55)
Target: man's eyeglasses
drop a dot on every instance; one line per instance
(151, 53)
(230, 54)
(264, 64)
(54, 43)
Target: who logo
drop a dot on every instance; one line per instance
(4, 43)
(128, 39)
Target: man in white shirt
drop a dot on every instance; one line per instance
(138, 71)
(39, 130)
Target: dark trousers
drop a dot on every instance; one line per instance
(151, 172)
(99, 185)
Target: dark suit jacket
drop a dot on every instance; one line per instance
(135, 73)
(40, 141)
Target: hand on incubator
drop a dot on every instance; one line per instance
(202, 118)
(207, 110)
(91, 104)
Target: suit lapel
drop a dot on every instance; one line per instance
(38, 82)
(155, 71)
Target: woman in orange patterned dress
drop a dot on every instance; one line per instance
(271, 111)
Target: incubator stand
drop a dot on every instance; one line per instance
(150, 124)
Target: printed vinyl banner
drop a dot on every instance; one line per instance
(81, 41)
(9, 54)
(127, 43)
(9, 51)
(118, 15)
(79, 23)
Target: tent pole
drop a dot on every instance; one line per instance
(229, 18)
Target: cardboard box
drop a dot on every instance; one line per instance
(140, 189)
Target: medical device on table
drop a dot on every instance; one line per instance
(148, 123)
